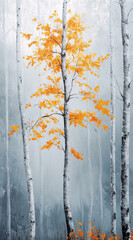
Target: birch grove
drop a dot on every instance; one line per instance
(28, 172)
(67, 88)
(8, 213)
(125, 220)
(112, 133)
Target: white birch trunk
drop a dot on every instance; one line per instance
(90, 179)
(6, 133)
(24, 130)
(81, 202)
(125, 222)
(81, 194)
(66, 175)
(90, 171)
(100, 177)
(40, 155)
(112, 135)
(41, 199)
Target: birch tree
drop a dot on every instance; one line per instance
(125, 222)
(28, 172)
(112, 137)
(66, 175)
(7, 125)
(60, 50)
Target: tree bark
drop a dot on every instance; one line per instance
(90, 178)
(100, 178)
(66, 175)
(40, 155)
(125, 222)
(6, 132)
(112, 137)
(24, 130)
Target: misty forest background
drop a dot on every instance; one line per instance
(47, 166)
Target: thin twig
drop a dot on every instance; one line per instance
(129, 12)
(118, 87)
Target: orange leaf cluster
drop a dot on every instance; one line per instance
(47, 145)
(46, 51)
(27, 105)
(36, 135)
(76, 154)
(131, 235)
(14, 129)
(98, 234)
(100, 107)
(51, 143)
(91, 234)
(56, 130)
(48, 47)
(26, 35)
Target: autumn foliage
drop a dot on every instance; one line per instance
(13, 129)
(91, 234)
(46, 53)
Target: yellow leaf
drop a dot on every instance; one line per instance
(79, 223)
(96, 89)
(34, 19)
(69, 11)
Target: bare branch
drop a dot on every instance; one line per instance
(73, 78)
(75, 95)
(62, 148)
(49, 115)
(12, 28)
(119, 98)
(129, 12)
(118, 3)
(118, 87)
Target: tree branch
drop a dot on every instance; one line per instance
(129, 12)
(49, 115)
(118, 87)
(55, 42)
(45, 116)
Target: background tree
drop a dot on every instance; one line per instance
(112, 133)
(125, 222)
(8, 213)
(61, 50)
(100, 177)
(28, 173)
(90, 177)
(40, 155)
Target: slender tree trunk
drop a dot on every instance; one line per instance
(90, 179)
(41, 199)
(90, 175)
(81, 194)
(40, 155)
(125, 222)
(24, 130)
(100, 177)
(7, 125)
(112, 137)
(66, 176)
